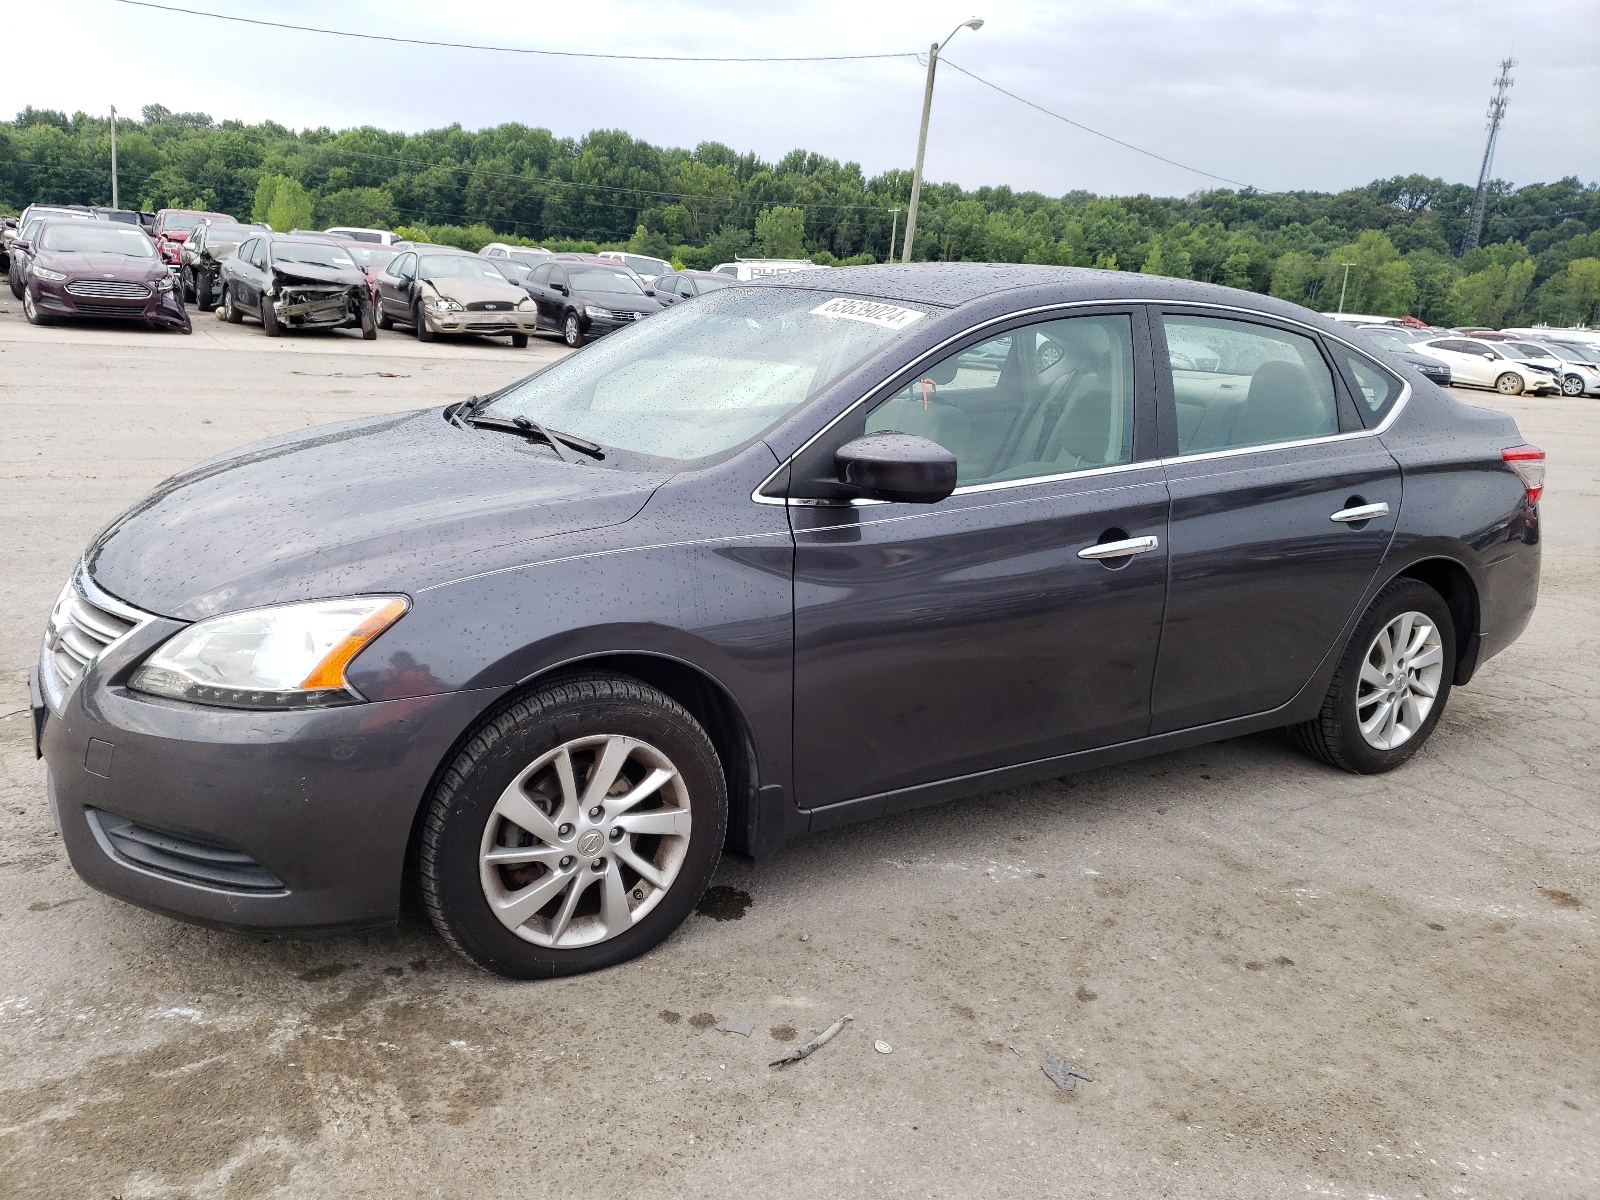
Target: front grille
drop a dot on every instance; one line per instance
(84, 623)
(108, 289)
(107, 310)
(492, 306)
(184, 857)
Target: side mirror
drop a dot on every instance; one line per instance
(19, 244)
(897, 466)
(649, 291)
(559, 287)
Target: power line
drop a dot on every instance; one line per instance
(1080, 125)
(380, 37)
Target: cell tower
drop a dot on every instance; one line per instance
(1480, 199)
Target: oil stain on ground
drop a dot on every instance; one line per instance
(723, 903)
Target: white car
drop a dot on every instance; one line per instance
(355, 233)
(1474, 363)
(645, 267)
(1576, 365)
(528, 256)
(746, 269)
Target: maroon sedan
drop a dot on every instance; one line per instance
(95, 269)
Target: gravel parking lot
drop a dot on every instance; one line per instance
(1283, 979)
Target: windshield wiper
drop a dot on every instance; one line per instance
(523, 425)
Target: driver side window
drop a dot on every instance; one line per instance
(1046, 399)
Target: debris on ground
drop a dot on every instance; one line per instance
(1064, 1074)
(882, 1047)
(743, 1026)
(816, 1043)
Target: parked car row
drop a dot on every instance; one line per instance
(1536, 361)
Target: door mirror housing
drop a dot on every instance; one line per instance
(897, 466)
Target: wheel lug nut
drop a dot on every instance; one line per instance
(565, 830)
(616, 833)
(638, 893)
(599, 864)
(597, 811)
(566, 862)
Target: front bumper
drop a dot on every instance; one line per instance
(598, 326)
(501, 323)
(277, 822)
(163, 308)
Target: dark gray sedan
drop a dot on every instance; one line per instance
(797, 554)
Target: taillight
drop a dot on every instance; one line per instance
(1528, 463)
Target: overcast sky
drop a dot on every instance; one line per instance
(1279, 95)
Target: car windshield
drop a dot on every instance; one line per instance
(703, 379)
(599, 279)
(88, 237)
(312, 254)
(532, 257)
(373, 257)
(458, 266)
(646, 266)
(1586, 354)
(181, 221)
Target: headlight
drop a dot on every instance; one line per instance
(164, 284)
(46, 273)
(444, 304)
(595, 313)
(286, 656)
(527, 305)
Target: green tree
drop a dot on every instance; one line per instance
(645, 242)
(266, 193)
(290, 208)
(360, 207)
(780, 232)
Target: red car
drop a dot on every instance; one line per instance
(173, 227)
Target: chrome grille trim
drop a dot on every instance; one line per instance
(108, 289)
(85, 623)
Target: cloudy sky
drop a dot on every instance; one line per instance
(1276, 94)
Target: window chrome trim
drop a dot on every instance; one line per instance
(1381, 427)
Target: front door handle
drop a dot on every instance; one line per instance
(1361, 512)
(1122, 549)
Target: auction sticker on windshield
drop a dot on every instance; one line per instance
(873, 312)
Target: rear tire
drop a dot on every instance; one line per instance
(519, 341)
(14, 278)
(1509, 384)
(1351, 731)
(504, 795)
(419, 322)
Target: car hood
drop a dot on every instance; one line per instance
(1422, 360)
(472, 291)
(619, 303)
(79, 265)
(316, 273)
(386, 504)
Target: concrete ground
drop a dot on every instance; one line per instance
(1283, 979)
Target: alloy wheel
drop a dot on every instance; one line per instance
(584, 842)
(1571, 385)
(1399, 682)
(1509, 384)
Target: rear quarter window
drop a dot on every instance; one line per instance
(1375, 388)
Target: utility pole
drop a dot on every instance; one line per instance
(1480, 198)
(894, 232)
(922, 136)
(1344, 285)
(114, 203)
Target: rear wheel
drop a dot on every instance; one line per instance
(230, 311)
(519, 341)
(571, 331)
(419, 322)
(269, 318)
(1391, 686)
(576, 829)
(1571, 385)
(1509, 384)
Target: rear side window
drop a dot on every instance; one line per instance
(1236, 384)
(1375, 389)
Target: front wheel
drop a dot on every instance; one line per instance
(1509, 384)
(31, 310)
(574, 830)
(369, 325)
(571, 331)
(202, 293)
(519, 341)
(269, 318)
(14, 278)
(419, 322)
(1571, 385)
(230, 310)
(1391, 686)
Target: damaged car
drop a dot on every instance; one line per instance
(296, 282)
(96, 269)
(210, 244)
(451, 291)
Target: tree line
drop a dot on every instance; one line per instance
(1539, 260)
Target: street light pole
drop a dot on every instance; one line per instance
(114, 203)
(922, 135)
(1344, 285)
(894, 231)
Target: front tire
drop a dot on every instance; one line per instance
(383, 318)
(571, 331)
(14, 278)
(202, 294)
(31, 310)
(1571, 385)
(575, 829)
(519, 341)
(1392, 684)
(230, 311)
(269, 318)
(1509, 384)
(369, 325)
(419, 322)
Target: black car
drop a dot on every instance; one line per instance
(686, 285)
(1434, 370)
(296, 281)
(802, 553)
(210, 244)
(584, 298)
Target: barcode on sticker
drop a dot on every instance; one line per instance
(873, 312)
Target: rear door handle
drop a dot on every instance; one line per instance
(1361, 512)
(1138, 545)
